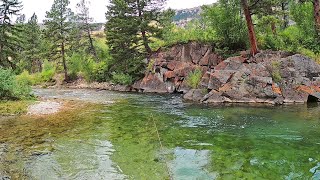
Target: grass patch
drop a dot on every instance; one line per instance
(194, 78)
(276, 75)
(14, 107)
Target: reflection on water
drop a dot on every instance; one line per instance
(117, 139)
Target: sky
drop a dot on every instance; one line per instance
(98, 7)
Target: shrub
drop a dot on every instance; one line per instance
(194, 78)
(121, 78)
(225, 20)
(12, 88)
(26, 78)
(151, 65)
(276, 75)
(48, 72)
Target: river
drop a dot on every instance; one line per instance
(115, 135)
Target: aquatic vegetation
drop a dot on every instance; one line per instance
(14, 107)
(119, 140)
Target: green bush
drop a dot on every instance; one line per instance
(227, 24)
(48, 72)
(276, 75)
(27, 78)
(194, 78)
(121, 78)
(12, 88)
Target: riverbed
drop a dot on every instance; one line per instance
(111, 135)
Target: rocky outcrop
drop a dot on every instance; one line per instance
(268, 77)
(171, 67)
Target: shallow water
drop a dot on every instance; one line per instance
(116, 138)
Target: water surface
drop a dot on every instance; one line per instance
(114, 136)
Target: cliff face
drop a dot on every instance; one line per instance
(269, 77)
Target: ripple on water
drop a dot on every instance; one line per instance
(76, 160)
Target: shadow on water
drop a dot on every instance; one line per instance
(116, 139)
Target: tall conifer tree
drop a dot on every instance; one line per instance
(58, 29)
(9, 40)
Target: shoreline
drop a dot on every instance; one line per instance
(129, 89)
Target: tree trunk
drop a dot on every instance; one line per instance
(273, 28)
(316, 5)
(92, 48)
(66, 77)
(252, 35)
(284, 8)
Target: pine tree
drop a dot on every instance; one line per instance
(131, 26)
(58, 29)
(32, 55)
(122, 36)
(9, 34)
(85, 26)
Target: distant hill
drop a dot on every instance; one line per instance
(183, 16)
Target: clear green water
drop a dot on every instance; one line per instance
(117, 139)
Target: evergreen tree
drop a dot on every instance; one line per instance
(130, 27)
(58, 28)
(9, 34)
(85, 26)
(31, 59)
(122, 37)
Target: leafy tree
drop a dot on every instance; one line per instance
(225, 21)
(9, 34)
(58, 29)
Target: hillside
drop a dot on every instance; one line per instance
(184, 16)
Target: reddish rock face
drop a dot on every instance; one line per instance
(268, 77)
(276, 89)
(169, 75)
(152, 84)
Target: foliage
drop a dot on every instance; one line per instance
(276, 75)
(12, 88)
(31, 56)
(10, 39)
(225, 20)
(46, 75)
(151, 65)
(14, 107)
(192, 32)
(85, 65)
(131, 27)
(121, 78)
(194, 78)
(48, 72)
(60, 31)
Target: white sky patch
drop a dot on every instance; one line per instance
(98, 8)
